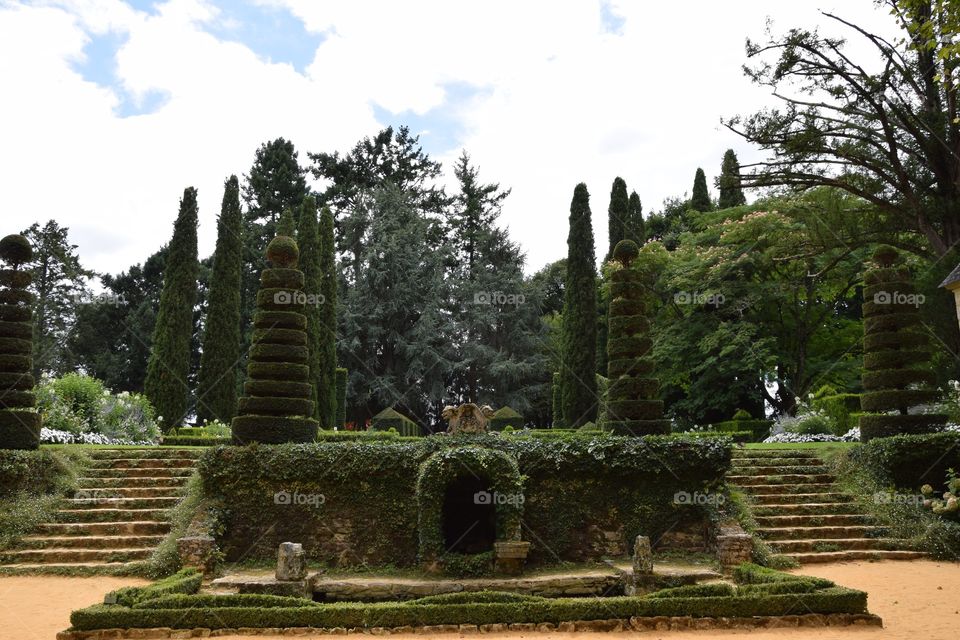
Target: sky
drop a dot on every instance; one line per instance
(110, 109)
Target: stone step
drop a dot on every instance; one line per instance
(827, 519)
(127, 492)
(111, 515)
(794, 487)
(142, 472)
(149, 481)
(89, 542)
(750, 454)
(146, 452)
(122, 503)
(767, 499)
(800, 470)
(60, 555)
(73, 568)
(142, 463)
(854, 555)
(806, 509)
(821, 532)
(784, 479)
(834, 544)
(135, 528)
(777, 463)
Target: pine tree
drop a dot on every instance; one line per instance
(895, 349)
(633, 407)
(19, 421)
(276, 406)
(618, 213)
(166, 385)
(578, 357)
(217, 380)
(731, 195)
(286, 225)
(308, 239)
(635, 229)
(700, 200)
(327, 379)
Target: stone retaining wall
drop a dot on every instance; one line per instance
(659, 623)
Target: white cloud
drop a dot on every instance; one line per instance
(563, 101)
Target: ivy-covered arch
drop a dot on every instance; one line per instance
(448, 465)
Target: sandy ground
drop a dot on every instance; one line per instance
(37, 607)
(916, 599)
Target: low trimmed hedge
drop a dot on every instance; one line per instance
(194, 441)
(758, 429)
(908, 461)
(185, 581)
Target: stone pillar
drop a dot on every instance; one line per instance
(734, 547)
(510, 556)
(642, 556)
(291, 561)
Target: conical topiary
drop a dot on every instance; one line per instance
(276, 406)
(632, 404)
(19, 420)
(894, 350)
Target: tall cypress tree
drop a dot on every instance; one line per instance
(217, 380)
(579, 342)
(731, 195)
(308, 238)
(700, 200)
(169, 365)
(618, 213)
(327, 381)
(635, 229)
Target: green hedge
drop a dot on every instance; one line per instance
(367, 481)
(194, 441)
(185, 581)
(758, 429)
(909, 461)
(390, 418)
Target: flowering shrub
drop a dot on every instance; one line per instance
(53, 436)
(77, 404)
(851, 436)
(948, 505)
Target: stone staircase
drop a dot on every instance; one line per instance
(803, 514)
(117, 517)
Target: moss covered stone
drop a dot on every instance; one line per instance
(894, 378)
(277, 407)
(19, 422)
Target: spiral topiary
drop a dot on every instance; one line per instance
(276, 402)
(633, 407)
(19, 420)
(895, 350)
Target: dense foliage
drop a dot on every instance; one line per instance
(166, 383)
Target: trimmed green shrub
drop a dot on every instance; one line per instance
(19, 423)
(505, 416)
(278, 405)
(185, 581)
(893, 384)
(908, 461)
(194, 441)
(390, 418)
(632, 400)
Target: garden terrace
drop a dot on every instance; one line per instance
(377, 508)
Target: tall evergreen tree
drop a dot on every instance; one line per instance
(169, 366)
(308, 238)
(217, 380)
(700, 200)
(635, 229)
(618, 213)
(327, 380)
(731, 195)
(59, 289)
(578, 360)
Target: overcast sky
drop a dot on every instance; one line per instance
(111, 108)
